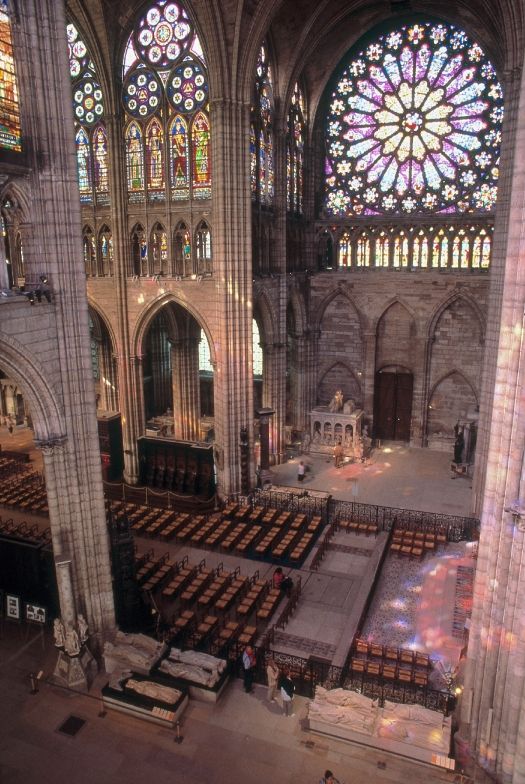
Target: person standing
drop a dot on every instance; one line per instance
(301, 470)
(272, 673)
(248, 665)
(329, 778)
(287, 691)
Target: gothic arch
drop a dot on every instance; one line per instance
(148, 314)
(448, 375)
(455, 297)
(344, 378)
(297, 305)
(340, 291)
(267, 318)
(395, 300)
(16, 191)
(20, 365)
(103, 319)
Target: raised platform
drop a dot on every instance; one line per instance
(145, 708)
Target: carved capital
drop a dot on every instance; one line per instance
(48, 446)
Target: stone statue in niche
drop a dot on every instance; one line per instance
(336, 403)
(317, 434)
(349, 406)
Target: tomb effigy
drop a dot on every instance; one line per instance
(408, 729)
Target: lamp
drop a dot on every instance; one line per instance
(31, 297)
(44, 279)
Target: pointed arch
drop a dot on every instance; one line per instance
(100, 161)
(203, 249)
(90, 251)
(182, 255)
(139, 251)
(395, 300)
(340, 291)
(337, 374)
(105, 248)
(159, 250)
(454, 297)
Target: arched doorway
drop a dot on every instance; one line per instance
(393, 403)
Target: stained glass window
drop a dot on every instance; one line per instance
(179, 159)
(345, 250)
(414, 126)
(100, 147)
(155, 156)
(200, 139)
(160, 249)
(135, 160)
(382, 250)
(84, 166)
(295, 151)
(10, 131)
(88, 108)
(204, 354)
(106, 251)
(165, 78)
(90, 252)
(142, 93)
(257, 351)
(203, 245)
(261, 133)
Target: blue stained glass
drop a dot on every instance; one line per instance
(439, 58)
(422, 62)
(392, 70)
(460, 81)
(407, 64)
(410, 111)
(470, 93)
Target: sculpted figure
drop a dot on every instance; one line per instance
(59, 633)
(349, 406)
(154, 690)
(336, 403)
(82, 628)
(72, 644)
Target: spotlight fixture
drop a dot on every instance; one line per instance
(44, 279)
(31, 297)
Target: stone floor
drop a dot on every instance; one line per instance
(396, 475)
(242, 738)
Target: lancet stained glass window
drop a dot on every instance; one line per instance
(10, 131)
(261, 133)
(294, 152)
(165, 82)
(414, 126)
(88, 108)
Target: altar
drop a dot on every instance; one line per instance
(329, 429)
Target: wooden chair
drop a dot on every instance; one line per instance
(389, 671)
(361, 646)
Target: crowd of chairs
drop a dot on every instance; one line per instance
(415, 543)
(24, 532)
(353, 527)
(253, 532)
(21, 487)
(390, 663)
(203, 607)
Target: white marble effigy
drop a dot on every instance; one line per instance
(411, 730)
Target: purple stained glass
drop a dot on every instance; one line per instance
(87, 101)
(188, 87)
(409, 117)
(79, 59)
(163, 34)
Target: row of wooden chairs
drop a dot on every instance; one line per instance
(353, 527)
(392, 654)
(389, 671)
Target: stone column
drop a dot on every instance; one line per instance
(232, 265)
(493, 706)
(274, 395)
(369, 375)
(186, 388)
(53, 245)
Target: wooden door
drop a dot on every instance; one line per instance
(393, 406)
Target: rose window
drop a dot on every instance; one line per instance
(163, 34)
(188, 87)
(87, 101)
(414, 126)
